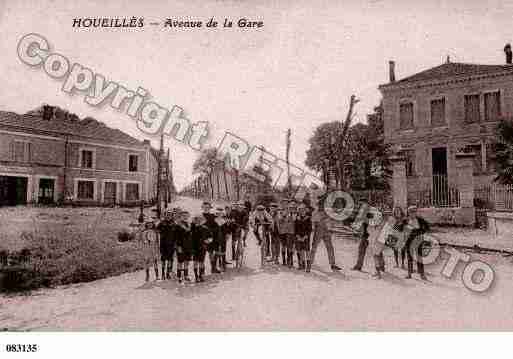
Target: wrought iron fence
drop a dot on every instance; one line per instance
(495, 197)
(439, 194)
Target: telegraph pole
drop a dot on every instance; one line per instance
(287, 154)
(347, 123)
(159, 177)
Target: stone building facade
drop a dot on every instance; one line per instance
(50, 159)
(433, 117)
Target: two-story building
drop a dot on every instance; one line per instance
(433, 115)
(49, 156)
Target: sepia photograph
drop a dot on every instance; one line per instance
(255, 166)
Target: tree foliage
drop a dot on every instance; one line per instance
(365, 155)
(504, 152)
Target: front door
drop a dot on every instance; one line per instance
(440, 182)
(46, 190)
(110, 193)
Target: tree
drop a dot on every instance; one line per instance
(504, 152)
(362, 164)
(206, 164)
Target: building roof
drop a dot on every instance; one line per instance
(451, 70)
(88, 127)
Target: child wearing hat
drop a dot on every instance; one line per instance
(149, 240)
(200, 238)
(183, 246)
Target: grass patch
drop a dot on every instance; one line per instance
(58, 247)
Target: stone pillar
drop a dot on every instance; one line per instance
(465, 183)
(399, 184)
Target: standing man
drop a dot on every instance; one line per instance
(415, 229)
(363, 233)
(247, 204)
(321, 232)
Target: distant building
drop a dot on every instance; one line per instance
(50, 156)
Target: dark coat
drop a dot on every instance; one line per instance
(167, 237)
(303, 226)
(183, 238)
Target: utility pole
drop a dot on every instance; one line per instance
(159, 177)
(341, 153)
(287, 157)
(167, 186)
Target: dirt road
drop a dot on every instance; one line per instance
(272, 298)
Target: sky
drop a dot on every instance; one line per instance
(297, 71)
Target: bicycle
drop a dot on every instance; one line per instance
(263, 229)
(239, 249)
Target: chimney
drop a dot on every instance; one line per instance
(509, 54)
(391, 70)
(47, 112)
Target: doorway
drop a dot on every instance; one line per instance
(110, 192)
(46, 191)
(440, 192)
(13, 190)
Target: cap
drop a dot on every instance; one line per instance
(260, 207)
(412, 208)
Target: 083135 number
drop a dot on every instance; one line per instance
(21, 348)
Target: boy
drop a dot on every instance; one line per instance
(150, 244)
(261, 218)
(199, 238)
(183, 246)
(209, 220)
(303, 229)
(167, 244)
(275, 237)
(224, 229)
(286, 224)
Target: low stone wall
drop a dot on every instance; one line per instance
(457, 216)
(500, 224)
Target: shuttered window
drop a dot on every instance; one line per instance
(406, 115)
(21, 151)
(438, 112)
(85, 190)
(132, 192)
(133, 163)
(472, 113)
(492, 106)
(86, 159)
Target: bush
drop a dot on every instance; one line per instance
(67, 257)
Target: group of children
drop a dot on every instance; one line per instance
(292, 229)
(190, 240)
(288, 231)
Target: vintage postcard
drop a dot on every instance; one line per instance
(270, 166)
